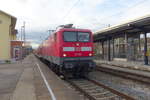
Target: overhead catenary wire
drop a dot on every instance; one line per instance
(119, 13)
(129, 8)
(107, 17)
(69, 11)
(66, 15)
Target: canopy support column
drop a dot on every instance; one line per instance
(103, 49)
(109, 49)
(145, 49)
(126, 45)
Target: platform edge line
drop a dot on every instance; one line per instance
(46, 83)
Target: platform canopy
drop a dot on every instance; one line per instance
(138, 25)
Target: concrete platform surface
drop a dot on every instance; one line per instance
(24, 81)
(125, 67)
(124, 64)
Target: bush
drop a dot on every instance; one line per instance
(8, 61)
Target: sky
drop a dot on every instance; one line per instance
(43, 15)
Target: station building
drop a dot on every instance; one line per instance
(7, 35)
(127, 42)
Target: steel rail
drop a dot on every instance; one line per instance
(81, 90)
(127, 97)
(91, 97)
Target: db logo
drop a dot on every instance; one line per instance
(78, 54)
(78, 49)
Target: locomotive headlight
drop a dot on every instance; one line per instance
(90, 54)
(64, 55)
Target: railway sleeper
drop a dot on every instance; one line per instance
(108, 98)
(100, 93)
(95, 88)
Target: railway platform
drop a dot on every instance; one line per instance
(124, 64)
(128, 67)
(30, 79)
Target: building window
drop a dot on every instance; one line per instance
(119, 47)
(98, 50)
(133, 47)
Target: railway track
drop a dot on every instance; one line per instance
(125, 74)
(94, 90)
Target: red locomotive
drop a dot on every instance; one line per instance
(69, 51)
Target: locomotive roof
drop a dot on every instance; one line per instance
(69, 29)
(73, 29)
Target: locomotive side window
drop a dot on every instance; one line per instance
(70, 36)
(83, 36)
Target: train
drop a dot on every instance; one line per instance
(69, 51)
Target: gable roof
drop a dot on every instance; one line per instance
(7, 14)
(13, 18)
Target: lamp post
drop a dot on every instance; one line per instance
(23, 39)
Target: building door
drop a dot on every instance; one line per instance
(16, 53)
(133, 46)
(120, 48)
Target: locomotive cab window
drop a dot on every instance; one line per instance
(83, 36)
(76, 36)
(70, 36)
